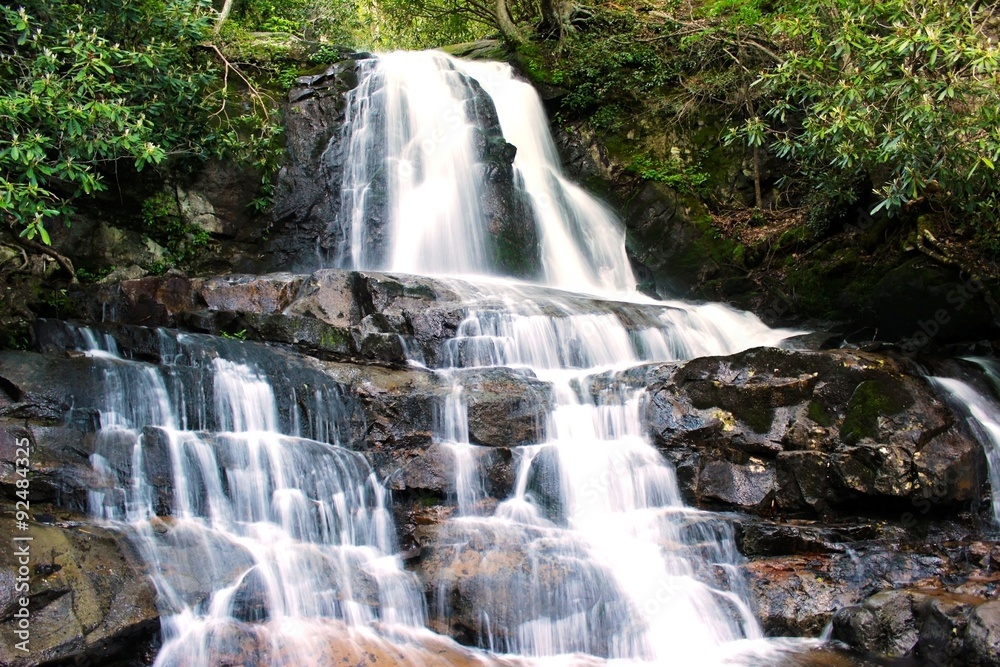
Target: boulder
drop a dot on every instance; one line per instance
(505, 409)
(799, 595)
(982, 636)
(808, 433)
(89, 600)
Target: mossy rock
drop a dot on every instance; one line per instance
(819, 414)
(872, 399)
(484, 49)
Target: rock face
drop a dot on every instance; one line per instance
(306, 197)
(935, 625)
(89, 599)
(840, 469)
(811, 433)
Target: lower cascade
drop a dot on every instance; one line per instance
(220, 495)
(246, 478)
(981, 410)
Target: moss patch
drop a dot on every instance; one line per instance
(872, 399)
(818, 414)
(746, 405)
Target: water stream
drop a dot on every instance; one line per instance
(981, 412)
(229, 485)
(618, 567)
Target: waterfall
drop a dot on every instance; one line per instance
(417, 196)
(268, 534)
(981, 412)
(614, 565)
(228, 484)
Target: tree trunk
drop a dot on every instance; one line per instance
(227, 7)
(506, 24)
(758, 197)
(552, 19)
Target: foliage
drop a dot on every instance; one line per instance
(419, 24)
(675, 172)
(338, 21)
(94, 86)
(613, 61)
(903, 94)
(163, 223)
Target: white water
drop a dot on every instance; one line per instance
(614, 565)
(294, 534)
(268, 533)
(981, 412)
(409, 131)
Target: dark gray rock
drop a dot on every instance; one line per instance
(885, 624)
(807, 433)
(505, 409)
(306, 195)
(798, 595)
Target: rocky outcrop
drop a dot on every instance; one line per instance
(801, 433)
(938, 626)
(306, 195)
(89, 600)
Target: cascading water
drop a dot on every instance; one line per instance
(981, 411)
(613, 564)
(417, 197)
(270, 534)
(592, 556)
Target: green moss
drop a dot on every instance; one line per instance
(419, 291)
(334, 339)
(740, 254)
(744, 404)
(872, 399)
(512, 255)
(756, 416)
(818, 414)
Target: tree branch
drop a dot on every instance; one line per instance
(61, 260)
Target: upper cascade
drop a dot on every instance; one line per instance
(450, 169)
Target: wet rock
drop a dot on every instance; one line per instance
(756, 537)
(933, 625)
(335, 297)
(982, 637)
(807, 433)
(329, 643)
(749, 486)
(90, 601)
(250, 294)
(884, 624)
(431, 470)
(483, 580)
(798, 595)
(304, 203)
(505, 409)
(44, 408)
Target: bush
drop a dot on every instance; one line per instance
(902, 93)
(93, 83)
